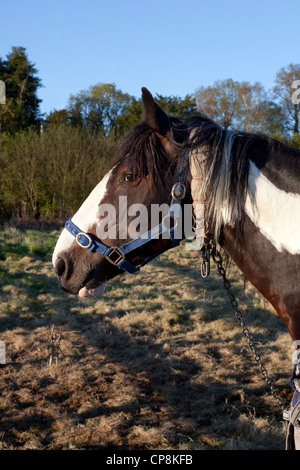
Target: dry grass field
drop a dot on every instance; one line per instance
(158, 362)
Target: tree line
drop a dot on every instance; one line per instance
(49, 163)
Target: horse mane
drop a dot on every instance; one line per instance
(227, 162)
(226, 170)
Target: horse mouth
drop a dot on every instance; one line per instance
(91, 286)
(96, 291)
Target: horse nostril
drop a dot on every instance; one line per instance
(60, 267)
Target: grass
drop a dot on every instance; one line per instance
(158, 362)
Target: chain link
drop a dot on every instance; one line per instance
(217, 257)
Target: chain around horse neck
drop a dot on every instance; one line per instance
(217, 257)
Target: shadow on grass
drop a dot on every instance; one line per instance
(214, 284)
(171, 382)
(20, 294)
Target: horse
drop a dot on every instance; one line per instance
(249, 187)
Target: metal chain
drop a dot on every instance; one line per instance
(217, 257)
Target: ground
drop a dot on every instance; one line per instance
(158, 362)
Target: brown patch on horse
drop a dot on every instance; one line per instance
(274, 274)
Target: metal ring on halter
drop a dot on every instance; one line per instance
(82, 234)
(178, 191)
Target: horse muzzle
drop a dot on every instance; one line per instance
(93, 284)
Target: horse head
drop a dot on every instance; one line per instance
(94, 244)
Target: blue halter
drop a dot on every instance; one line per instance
(117, 255)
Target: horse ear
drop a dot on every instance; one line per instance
(154, 116)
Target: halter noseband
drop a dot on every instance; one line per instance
(117, 255)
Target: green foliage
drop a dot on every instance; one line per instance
(175, 106)
(50, 174)
(15, 243)
(22, 104)
(59, 118)
(98, 108)
(130, 117)
(105, 109)
(273, 120)
(295, 141)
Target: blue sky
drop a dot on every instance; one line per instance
(170, 46)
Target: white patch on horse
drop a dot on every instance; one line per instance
(274, 212)
(85, 217)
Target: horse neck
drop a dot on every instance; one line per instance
(276, 275)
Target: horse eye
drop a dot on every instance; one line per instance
(128, 177)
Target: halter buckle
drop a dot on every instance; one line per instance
(82, 234)
(178, 191)
(117, 253)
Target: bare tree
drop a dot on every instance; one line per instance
(251, 99)
(284, 91)
(219, 102)
(239, 105)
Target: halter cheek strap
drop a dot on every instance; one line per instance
(114, 255)
(117, 255)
